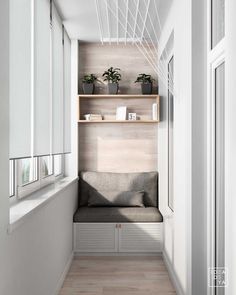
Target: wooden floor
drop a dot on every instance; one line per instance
(117, 276)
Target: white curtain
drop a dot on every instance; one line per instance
(42, 93)
(57, 84)
(20, 78)
(39, 80)
(67, 93)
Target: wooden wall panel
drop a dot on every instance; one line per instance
(119, 147)
(96, 58)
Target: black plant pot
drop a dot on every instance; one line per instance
(146, 88)
(113, 88)
(88, 88)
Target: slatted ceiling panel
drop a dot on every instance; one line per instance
(140, 237)
(96, 237)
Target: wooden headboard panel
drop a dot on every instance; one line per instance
(122, 147)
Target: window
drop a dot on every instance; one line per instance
(57, 165)
(219, 174)
(28, 170)
(217, 21)
(170, 106)
(12, 178)
(46, 166)
(33, 174)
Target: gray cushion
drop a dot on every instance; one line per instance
(106, 181)
(115, 199)
(117, 214)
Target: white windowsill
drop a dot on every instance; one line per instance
(20, 211)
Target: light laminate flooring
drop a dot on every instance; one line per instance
(140, 275)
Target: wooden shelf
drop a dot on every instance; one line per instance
(118, 96)
(106, 105)
(118, 121)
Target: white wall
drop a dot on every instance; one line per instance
(36, 254)
(184, 232)
(71, 165)
(33, 257)
(230, 144)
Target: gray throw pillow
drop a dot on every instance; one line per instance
(115, 199)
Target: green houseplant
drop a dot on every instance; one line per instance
(89, 83)
(146, 83)
(112, 76)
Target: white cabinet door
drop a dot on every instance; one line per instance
(140, 237)
(95, 237)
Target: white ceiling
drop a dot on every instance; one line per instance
(82, 22)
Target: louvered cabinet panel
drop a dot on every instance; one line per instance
(95, 237)
(140, 237)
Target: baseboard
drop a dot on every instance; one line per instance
(174, 279)
(64, 273)
(116, 254)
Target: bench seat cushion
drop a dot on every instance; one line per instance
(107, 181)
(117, 214)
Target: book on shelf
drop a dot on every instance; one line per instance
(93, 117)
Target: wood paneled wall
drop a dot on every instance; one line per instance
(96, 58)
(118, 147)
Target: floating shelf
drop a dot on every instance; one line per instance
(106, 105)
(118, 121)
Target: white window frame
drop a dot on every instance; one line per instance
(170, 58)
(12, 171)
(62, 166)
(28, 188)
(215, 57)
(22, 191)
(167, 53)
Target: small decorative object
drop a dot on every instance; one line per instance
(88, 83)
(132, 116)
(121, 113)
(93, 117)
(154, 111)
(146, 83)
(112, 76)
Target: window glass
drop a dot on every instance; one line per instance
(217, 21)
(11, 178)
(57, 165)
(170, 133)
(220, 168)
(46, 166)
(28, 170)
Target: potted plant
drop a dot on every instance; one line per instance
(112, 76)
(88, 83)
(146, 83)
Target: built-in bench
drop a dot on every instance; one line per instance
(118, 212)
